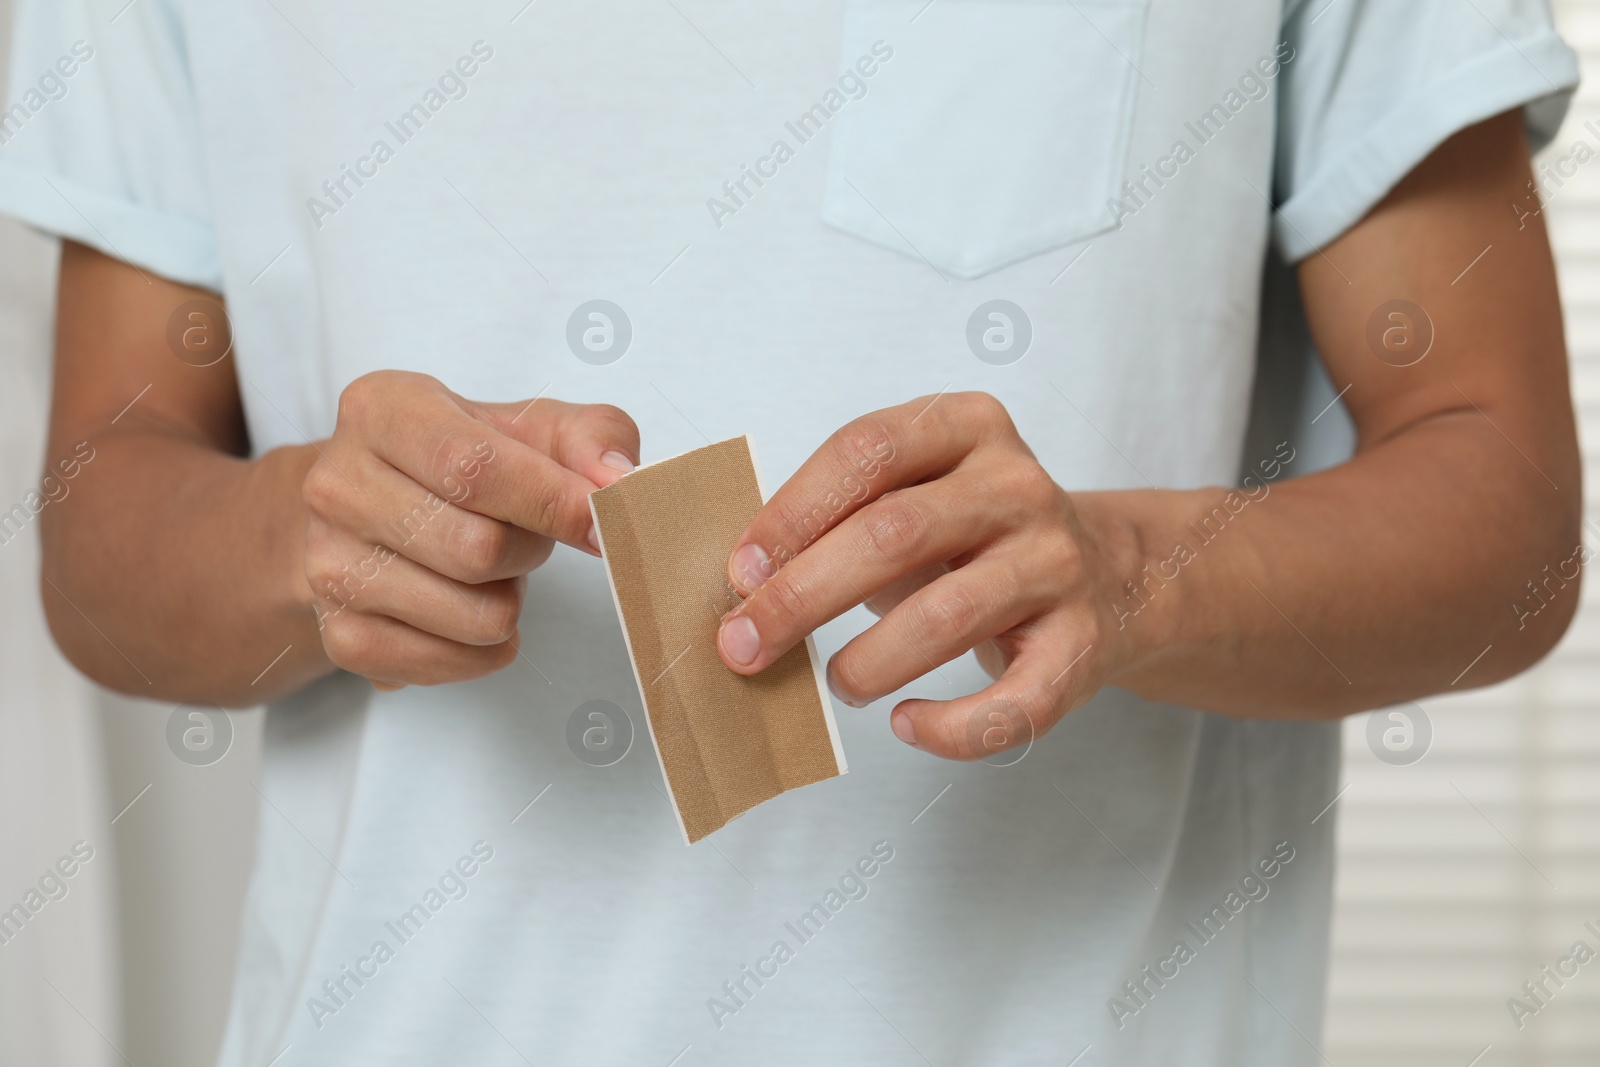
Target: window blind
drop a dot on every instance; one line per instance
(1475, 870)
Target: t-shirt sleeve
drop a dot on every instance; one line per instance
(1373, 86)
(100, 138)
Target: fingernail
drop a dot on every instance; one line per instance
(594, 538)
(900, 723)
(617, 462)
(740, 640)
(386, 687)
(752, 566)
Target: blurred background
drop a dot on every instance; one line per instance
(1469, 842)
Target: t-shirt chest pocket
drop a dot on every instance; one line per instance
(993, 130)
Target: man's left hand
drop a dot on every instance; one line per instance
(938, 517)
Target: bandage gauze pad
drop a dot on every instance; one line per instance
(726, 742)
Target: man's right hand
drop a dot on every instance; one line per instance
(426, 511)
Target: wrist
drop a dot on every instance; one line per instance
(1144, 586)
(284, 470)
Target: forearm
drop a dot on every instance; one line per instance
(1375, 582)
(173, 571)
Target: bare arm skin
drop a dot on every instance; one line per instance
(1405, 563)
(176, 569)
(132, 557)
(1372, 583)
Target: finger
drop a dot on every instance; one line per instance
(933, 626)
(900, 590)
(1050, 674)
(886, 450)
(424, 431)
(390, 651)
(471, 614)
(360, 494)
(893, 536)
(598, 441)
(485, 614)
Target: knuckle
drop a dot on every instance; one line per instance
(322, 573)
(950, 735)
(364, 398)
(1094, 632)
(355, 400)
(348, 644)
(1009, 584)
(359, 399)
(805, 524)
(453, 456)
(613, 419)
(1090, 629)
(1025, 493)
(537, 551)
(995, 725)
(1065, 557)
(323, 489)
(1023, 710)
(484, 659)
(864, 446)
(896, 527)
(784, 603)
(849, 677)
(986, 408)
(1051, 565)
(321, 563)
(947, 616)
(478, 546)
(1030, 481)
(548, 509)
(1036, 707)
(498, 614)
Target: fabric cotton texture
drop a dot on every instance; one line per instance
(798, 212)
(726, 741)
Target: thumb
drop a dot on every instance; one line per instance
(598, 441)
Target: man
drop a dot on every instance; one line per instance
(984, 282)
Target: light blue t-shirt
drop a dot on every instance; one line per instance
(797, 211)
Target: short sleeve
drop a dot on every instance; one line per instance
(100, 138)
(1371, 87)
